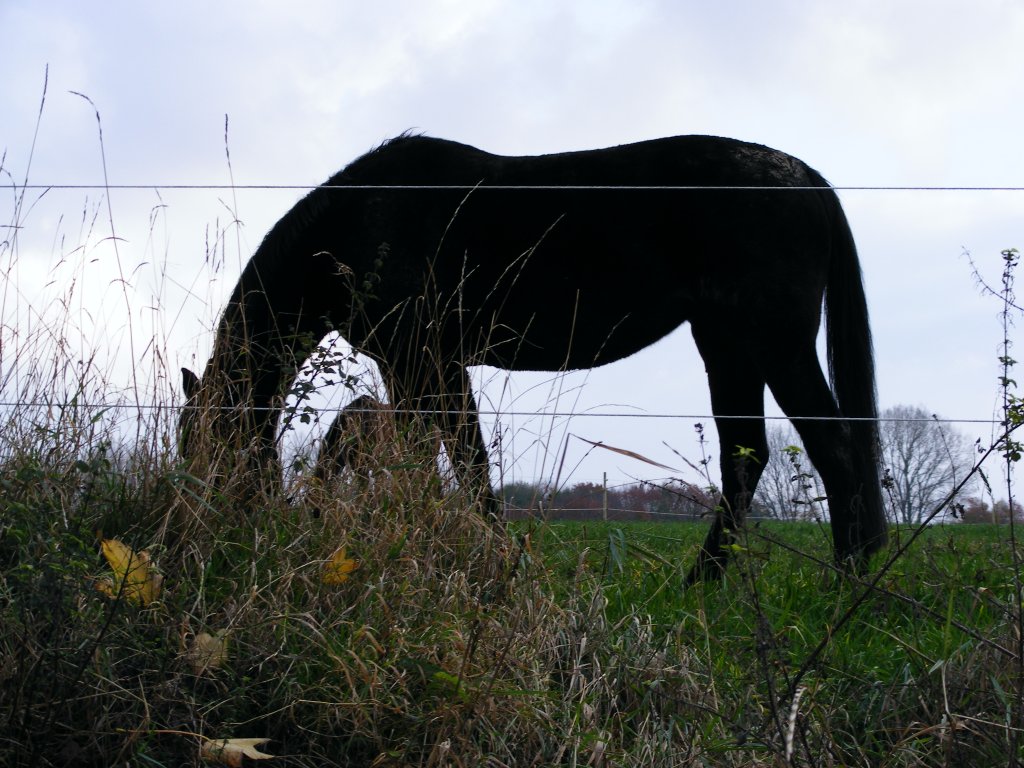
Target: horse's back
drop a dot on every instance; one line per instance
(577, 259)
(674, 161)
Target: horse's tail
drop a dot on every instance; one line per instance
(852, 372)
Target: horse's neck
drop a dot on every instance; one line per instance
(272, 322)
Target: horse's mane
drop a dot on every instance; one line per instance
(278, 242)
(408, 133)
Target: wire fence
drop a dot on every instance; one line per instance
(627, 514)
(522, 187)
(336, 409)
(327, 411)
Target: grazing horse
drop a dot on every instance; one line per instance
(431, 256)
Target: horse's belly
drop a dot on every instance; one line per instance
(594, 333)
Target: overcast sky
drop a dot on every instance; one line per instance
(907, 93)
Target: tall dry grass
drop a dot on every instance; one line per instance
(376, 618)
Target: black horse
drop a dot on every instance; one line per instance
(431, 256)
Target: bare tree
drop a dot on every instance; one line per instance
(922, 458)
(789, 487)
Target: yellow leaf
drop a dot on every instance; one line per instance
(231, 751)
(133, 576)
(337, 569)
(208, 651)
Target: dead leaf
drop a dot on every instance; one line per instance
(625, 452)
(133, 576)
(232, 751)
(208, 651)
(337, 569)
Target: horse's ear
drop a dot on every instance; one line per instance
(189, 383)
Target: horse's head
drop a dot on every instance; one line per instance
(218, 429)
(211, 416)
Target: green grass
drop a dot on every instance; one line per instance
(929, 651)
(455, 642)
(954, 574)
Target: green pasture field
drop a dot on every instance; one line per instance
(781, 579)
(940, 626)
(950, 571)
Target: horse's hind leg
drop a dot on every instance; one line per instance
(800, 388)
(737, 390)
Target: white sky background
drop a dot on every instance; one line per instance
(896, 94)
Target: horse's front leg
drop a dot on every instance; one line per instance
(737, 399)
(459, 420)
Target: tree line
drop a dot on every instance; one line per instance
(922, 460)
(663, 501)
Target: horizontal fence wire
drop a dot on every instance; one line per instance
(553, 511)
(544, 414)
(523, 187)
